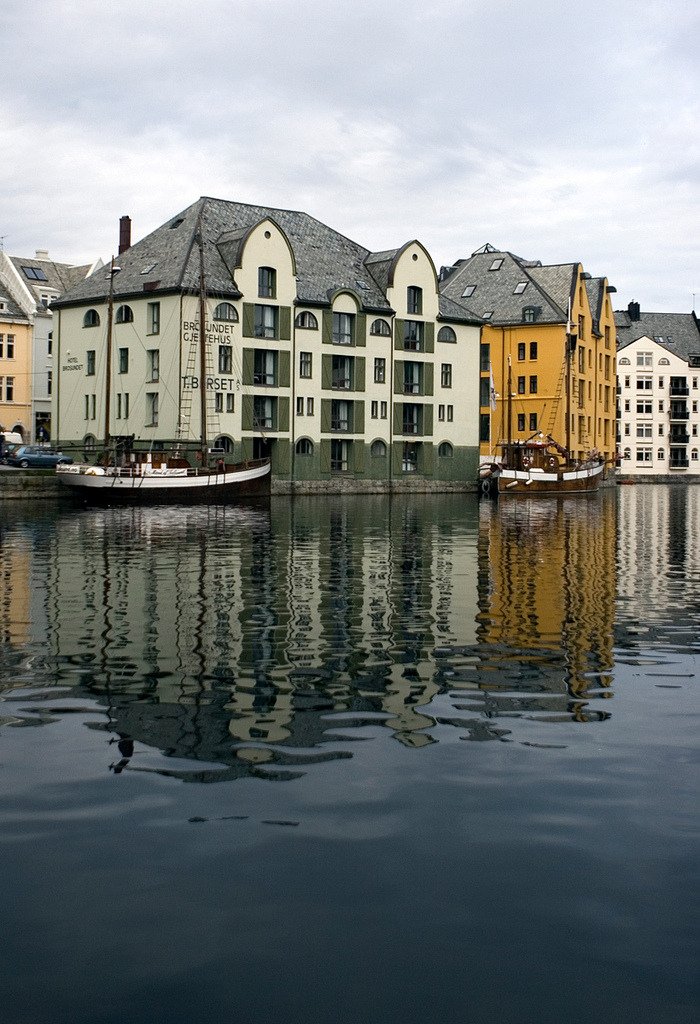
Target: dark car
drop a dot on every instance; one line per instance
(8, 450)
(29, 456)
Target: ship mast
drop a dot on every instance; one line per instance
(567, 364)
(108, 355)
(202, 349)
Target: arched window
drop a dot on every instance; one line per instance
(627, 454)
(378, 450)
(306, 320)
(694, 454)
(226, 311)
(125, 315)
(91, 318)
(89, 445)
(380, 327)
(304, 446)
(445, 450)
(224, 444)
(446, 334)
(623, 362)
(661, 455)
(530, 314)
(664, 362)
(414, 300)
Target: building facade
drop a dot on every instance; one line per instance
(658, 393)
(550, 330)
(15, 364)
(33, 283)
(340, 364)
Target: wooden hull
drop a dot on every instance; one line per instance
(563, 482)
(141, 485)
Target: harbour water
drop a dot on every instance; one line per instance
(351, 759)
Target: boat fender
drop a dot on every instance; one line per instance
(95, 471)
(526, 461)
(551, 461)
(486, 486)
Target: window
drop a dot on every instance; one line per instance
(520, 288)
(306, 321)
(627, 405)
(90, 362)
(49, 382)
(300, 406)
(49, 342)
(447, 334)
(533, 384)
(441, 413)
(383, 410)
(267, 282)
(627, 430)
(521, 351)
(533, 421)
(521, 421)
(218, 402)
(263, 412)
(226, 311)
(380, 327)
(450, 413)
(374, 410)
(530, 314)
(9, 389)
(484, 426)
(644, 358)
(341, 373)
(496, 265)
(304, 446)
(414, 300)
(91, 318)
(230, 403)
(152, 408)
(627, 382)
(122, 406)
(644, 430)
(445, 450)
(412, 378)
(484, 391)
(446, 375)
(409, 461)
(661, 430)
(581, 359)
(343, 328)
(340, 415)
(264, 367)
(469, 291)
(339, 456)
(661, 405)
(35, 273)
(265, 322)
(153, 318)
(309, 406)
(410, 418)
(125, 315)
(378, 450)
(413, 335)
(379, 371)
(225, 359)
(123, 360)
(153, 360)
(644, 454)
(533, 350)
(581, 326)
(644, 383)
(484, 357)
(305, 364)
(661, 455)
(521, 385)
(644, 407)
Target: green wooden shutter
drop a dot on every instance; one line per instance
(428, 379)
(358, 456)
(361, 330)
(247, 448)
(326, 371)
(327, 338)
(326, 418)
(247, 412)
(398, 417)
(248, 320)
(398, 335)
(428, 420)
(326, 456)
(359, 381)
(284, 369)
(398, 377)
(283, 413)
(426, 458)
(396, 458)
(358, 416)
(281, 458)
(248, 365)
(430, 337)
(285, 323)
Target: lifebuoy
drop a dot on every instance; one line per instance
(485, 486)
(526, 461)
(551, 462)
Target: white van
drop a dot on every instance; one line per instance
(12, 437)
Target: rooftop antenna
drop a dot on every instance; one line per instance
(3, 237)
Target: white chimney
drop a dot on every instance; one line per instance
(42, 254)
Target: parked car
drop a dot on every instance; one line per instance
(7, 451)
(29, 456)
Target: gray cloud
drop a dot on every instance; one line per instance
(560, 133)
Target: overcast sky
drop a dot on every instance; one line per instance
(560, 132)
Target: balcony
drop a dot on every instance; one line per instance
(679, 438)
(411, 387)
(678, 464)
(679, 412)
(678, 391)
(341, 384)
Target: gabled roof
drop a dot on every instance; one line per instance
(499, 285)
(168, 258)
(40, 275)
(11, 311)
(677, 332)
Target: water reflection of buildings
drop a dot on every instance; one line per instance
(547, 594)
(261, 635)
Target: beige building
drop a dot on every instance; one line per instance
(15, 367)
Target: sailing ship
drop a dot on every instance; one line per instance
(541, 465)
(156, 477)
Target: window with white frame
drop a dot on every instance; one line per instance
(152, 408)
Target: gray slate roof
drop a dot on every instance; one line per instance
(677, 332)
(12, 311)
(548, 288)
(167, 260)
(60, 277)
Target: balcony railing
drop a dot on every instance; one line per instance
(679, 438)
(341, 384)
(342, 425)
(678, 390)
(678, 464)
(679, 414)
(410, 427)
(411, 387)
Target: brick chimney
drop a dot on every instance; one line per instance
(124, 234)
(633, 311)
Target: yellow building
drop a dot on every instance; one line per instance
(15, 368)
(551, 331)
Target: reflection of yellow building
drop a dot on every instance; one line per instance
(15, 368)
(551, 585)
(532, 313)
(15, 594)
